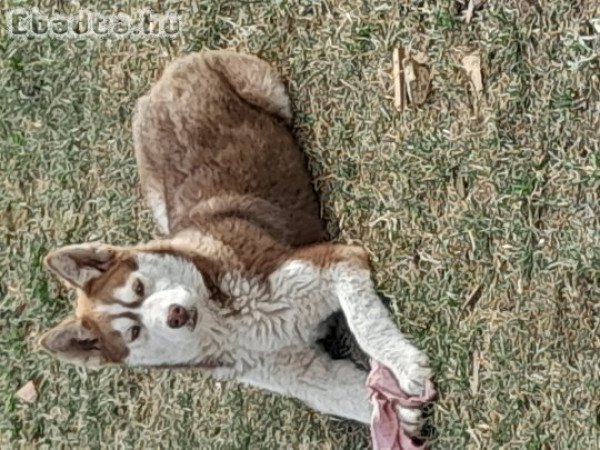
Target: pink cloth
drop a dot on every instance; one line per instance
(385, 395)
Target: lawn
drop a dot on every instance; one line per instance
(481, 212)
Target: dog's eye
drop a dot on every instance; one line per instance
(134, 332)
(138, 288)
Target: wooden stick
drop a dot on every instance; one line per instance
(475, 376)
(399, 94)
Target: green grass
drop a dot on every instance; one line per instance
(483, 224)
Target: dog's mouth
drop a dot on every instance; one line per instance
(191, 324)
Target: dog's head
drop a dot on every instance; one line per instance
(134, 306)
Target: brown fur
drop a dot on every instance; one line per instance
(101, 288)
(204, 133)
(87, 337)
(225, 162)
(326, 255)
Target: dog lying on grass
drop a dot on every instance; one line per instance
(244, 286)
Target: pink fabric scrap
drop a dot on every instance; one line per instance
(386, 395)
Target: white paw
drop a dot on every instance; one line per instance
(410, 419)
(413, 373)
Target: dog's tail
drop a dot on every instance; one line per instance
(253, 79)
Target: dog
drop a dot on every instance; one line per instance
(244, 284)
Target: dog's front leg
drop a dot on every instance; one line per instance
(347, 274)
(376, 333)
(335, 387)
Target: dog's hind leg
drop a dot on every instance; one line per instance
(253, 80)
(330, 386)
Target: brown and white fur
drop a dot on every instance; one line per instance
(244, 281)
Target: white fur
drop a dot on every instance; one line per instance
(375, 331)
(126, 293)
(379, 337)
(332, 386)
(168, 280)
(269, 340)
(281, 313)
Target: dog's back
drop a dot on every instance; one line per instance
(212, 137)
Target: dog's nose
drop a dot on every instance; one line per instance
(177, 316)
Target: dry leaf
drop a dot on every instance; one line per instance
(418, 80)
(409, 76)
(424, 78)
(469, 12)
(474, 297)
(28, 393)
(472, 65)
(412, 78)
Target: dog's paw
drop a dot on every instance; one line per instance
(411, 420)
(413, 373)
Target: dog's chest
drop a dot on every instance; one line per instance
(285, 309)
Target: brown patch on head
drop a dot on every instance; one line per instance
(85, 341)
(110, 342)
(96, 269)
(101, 288)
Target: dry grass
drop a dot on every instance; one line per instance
(482, 215)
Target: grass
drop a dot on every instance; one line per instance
(482, 216)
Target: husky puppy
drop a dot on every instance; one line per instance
(244, 284)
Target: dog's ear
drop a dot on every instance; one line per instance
(80, 264)
(76, 342)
